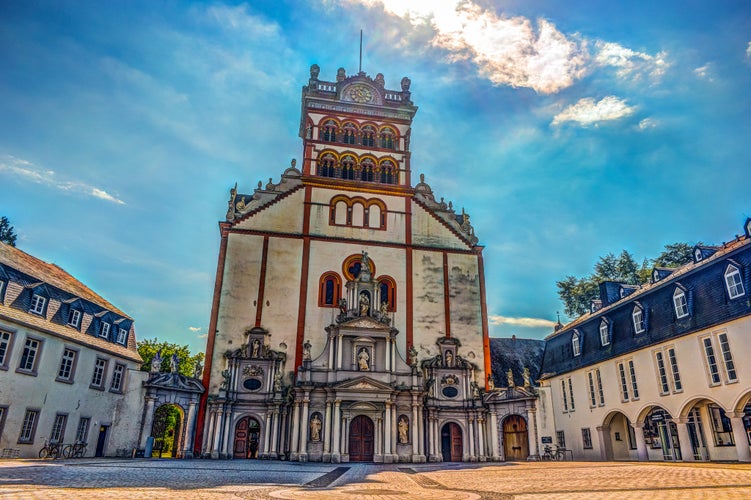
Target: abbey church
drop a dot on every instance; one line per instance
(349, 320)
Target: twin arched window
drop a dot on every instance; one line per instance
(349, 133)
(357, 212)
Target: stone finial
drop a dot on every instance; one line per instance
(406, 82)
(380, 80)
(314, 71)
(340, 74)
(527, 378)
(293, 163)
(422, 178)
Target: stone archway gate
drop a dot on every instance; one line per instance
(174, 389)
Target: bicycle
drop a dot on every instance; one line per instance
(549, 453)
(50, 450)
(75, 450)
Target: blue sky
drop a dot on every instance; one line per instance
(567, 130)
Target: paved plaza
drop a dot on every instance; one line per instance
(225, 479)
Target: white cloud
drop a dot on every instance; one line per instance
(194, 328)
(748, 51)
(28, 171)
(704, 72)
(204, 336)
(524, 322)
(587, 111)
(647, 123)
(629, 63)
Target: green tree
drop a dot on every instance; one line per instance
(7, 232)
(675, 255)
(187, 361)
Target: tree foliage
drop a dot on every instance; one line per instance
(577, 294)
(187, 361)
(7, 232)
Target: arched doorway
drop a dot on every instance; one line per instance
(661, 433)
(166, 429)
(515, 439)
(361, 439)
(247, 433)
(618, 441)
(451, 443)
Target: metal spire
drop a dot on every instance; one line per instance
(360, 51)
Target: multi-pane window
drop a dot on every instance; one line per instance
(624, 382)
(37, 304)
(576, 343)
(638, 317)
(604, 333)
(74, 318)
(104, 330)
(679, 301)
(733, 282)
(4, 348)
(82, 432)
(117, 378)
(723, 431)
(674, 370)
(28, 428)
(560, 438)
(564, 397)
(58, 428)
(586, 439)
(3, 413)
(714, 372)
(662, 373)
(634, 387)
(98, 377)
(600, 392)
(592, 400)
(571, 394)
(29, 356)
(596, 394)
(65, 372)
(727, 357)
(122, 336)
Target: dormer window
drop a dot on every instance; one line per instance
(122, 336)
(679, 301)
(697, 255)
(655, 276)
(37, 304)
(74, 318)
(638, 317)
(733, 282)
(604, 332)
(104, 330)
(576, 343)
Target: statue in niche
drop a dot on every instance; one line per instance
(403, 427)
(255, 348)
(413, 356)
(510, 378)
(156, 362)
(306, 350)
(449, 359)
(364, 304)
(491, 382)
(384, 308)
(364, 267)
(315, 428)
(173, 363)
(362, 360)
(526, 375)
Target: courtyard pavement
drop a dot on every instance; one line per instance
(148, 479)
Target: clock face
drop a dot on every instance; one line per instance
(360, 93)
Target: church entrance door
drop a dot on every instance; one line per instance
(451, 443)
(247, 433)
(515, 440)
(361, 439)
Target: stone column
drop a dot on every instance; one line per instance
(336, 456)
(339, 352)
(606, 445)
(208, 437)
(420, 433)
(388, 355)
(274, 434)
(303, 457)
(283, 431)
(481, 454)
(387, 435)
(226, 433)
(190, 431)
(494, 435)
(378, 440)
(266, 436)
(394, 437)
(641, 446)
(534, 448)
(327, 433)
(687, 451)
(413, 428)
(471, 438)
(739, 436)
(295, 444)
(148, 421)
(218, 433)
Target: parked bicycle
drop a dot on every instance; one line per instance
(549, 453)
(50, 450)
(75, 450)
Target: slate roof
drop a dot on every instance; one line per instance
(516, 354)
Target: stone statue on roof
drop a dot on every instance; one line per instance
(156, 362)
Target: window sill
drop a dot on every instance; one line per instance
(64, 380)
(31, 373)
(116, 391)
(96, 387)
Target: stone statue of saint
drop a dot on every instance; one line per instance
(306, 350)
(526, 375)
(403, 427)
(491, 382)
(226, 375)
(278, 382)
(449, 359)
(362, 360)
(343, 306)
(255, 348)
(510, 378)
(365, 267)
(231, 203)
(412, 356)
(173, 363)
(364, 304)
(156, 362)
(198, 371)
(384, 308)
(315, 428)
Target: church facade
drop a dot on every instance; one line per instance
(348, 320)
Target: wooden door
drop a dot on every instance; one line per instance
(515, 440)
(452, 446)
(246, 438)
(361, 439)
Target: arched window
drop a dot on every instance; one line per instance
(387, 290)
(350, 132)
(604, 332)
(733, 282)
(387, 138)
(374, 216)
(352, 265)
(576, 345)
(367, 166)
(679, 301)
(339, 213)
(348, 167)
(326, 165)
(358, 214)
(368, 136)
(328, 131)
(388, 171)
(638, 317)
(329, 290)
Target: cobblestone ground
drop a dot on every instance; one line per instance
(229, 479)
